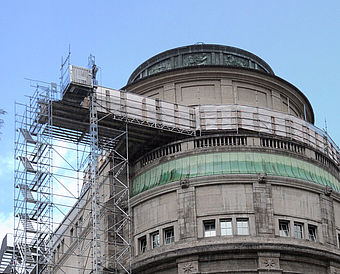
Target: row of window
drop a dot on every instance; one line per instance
(226, 227)
(155, 239)
(285, 230)
(74, 232)
(209, 226)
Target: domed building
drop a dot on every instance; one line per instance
(225, 173)
(257, 190)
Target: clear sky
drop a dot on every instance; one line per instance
(299, 39)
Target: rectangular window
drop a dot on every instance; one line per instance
(209, 228)
(71, 234)
(142, 244)
(62, 247)
(242, 226)
(169, 235)
(155, 239)
(80, 224)
(226, 227)
(76, 233)
(312, 233)
(339, 240)
(284, 228)
(298, 230)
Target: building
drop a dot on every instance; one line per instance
(227, 172)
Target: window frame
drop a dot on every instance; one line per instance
(285, 233)
(142, 244)
(298, 224)
(314, 228)
(172, 237)
(239, 229)
(155, 242)
(226, 229)
(209, 228)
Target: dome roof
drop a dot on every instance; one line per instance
(199, 55)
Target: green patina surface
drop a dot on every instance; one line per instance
(232, 163)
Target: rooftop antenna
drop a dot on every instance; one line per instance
(325, 125)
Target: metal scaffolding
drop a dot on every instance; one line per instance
(61, 173)
(33, 182)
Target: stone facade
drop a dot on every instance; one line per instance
(240, 220)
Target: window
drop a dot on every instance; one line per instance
(242, 226)
(339, 240)
(77, 229)
(155, 239)
(71, 234)
(169, 236)
(62, 246)
(298, 230)
(312, 233)
(58, 251)
(226, 227)
(80, 224)
(142, 244)
(209, 228)
(284, 228)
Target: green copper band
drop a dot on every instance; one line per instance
(224, 163)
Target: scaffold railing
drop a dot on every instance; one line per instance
(33, 182)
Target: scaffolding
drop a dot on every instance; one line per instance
(61, 174)
(72, 151)
(33, 182)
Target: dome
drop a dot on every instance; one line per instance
(199, 55)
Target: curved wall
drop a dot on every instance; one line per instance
(233, 200)
(263, 204)
(219, 86)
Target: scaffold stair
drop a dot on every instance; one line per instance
(26, 193)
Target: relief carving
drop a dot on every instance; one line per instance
(159, 67)
(188, 268)
(231, 60)
(328, 191)
(269, 263)
(184, 183)
(195, 59)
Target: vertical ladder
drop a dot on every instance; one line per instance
(96, 248)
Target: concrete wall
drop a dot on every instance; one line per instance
(232, 197)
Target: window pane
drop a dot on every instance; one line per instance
(169, 236)
(226, 227)
(142, 244)
(284, 228)
(155, 240)
(209, 228)
(242, 227)
(312, 233)
(298, 230)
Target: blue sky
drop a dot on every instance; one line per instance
(299, 39)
